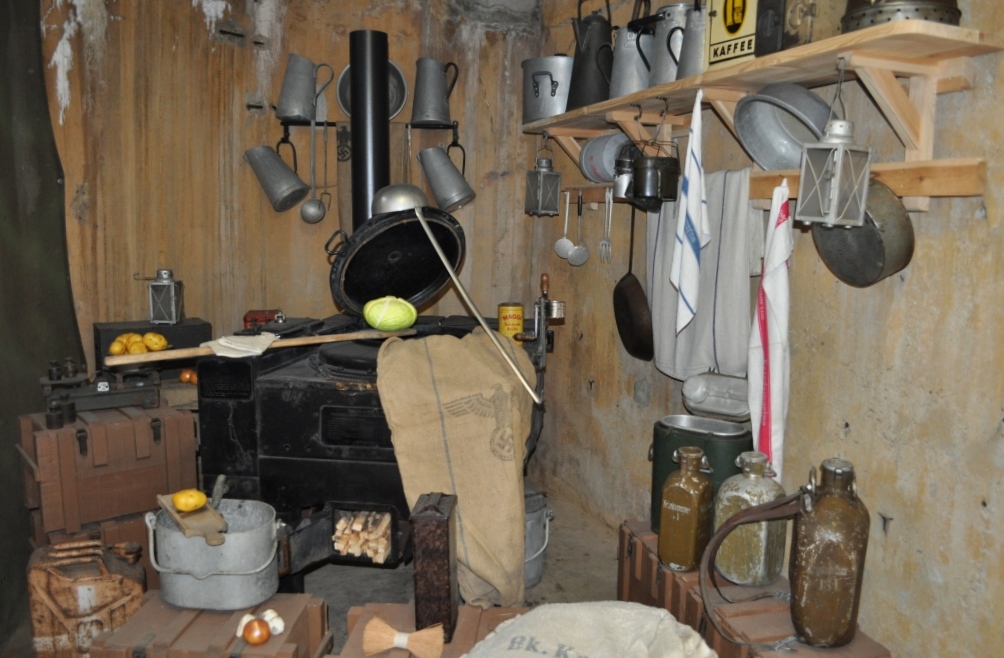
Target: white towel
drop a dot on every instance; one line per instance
(236, 347)
(717, 340)
(769, 364)
(692, 227)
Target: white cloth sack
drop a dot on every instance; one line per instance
(236, 347)
(603, 629)
(769, 360)
(717, 339)
(692, 227)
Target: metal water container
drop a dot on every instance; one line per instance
(753, 554)
(828, 546)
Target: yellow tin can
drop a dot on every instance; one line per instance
(511, 320)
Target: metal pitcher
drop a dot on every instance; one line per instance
(691, 60)
(632, 53)
(431, 107)
(668, 42)
(593, 59)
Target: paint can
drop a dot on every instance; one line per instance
(510, 316)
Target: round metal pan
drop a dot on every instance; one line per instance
(862, 256)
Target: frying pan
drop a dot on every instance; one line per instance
(631, 311)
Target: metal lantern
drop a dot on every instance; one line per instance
(166, 298)
(543, 186)
(833, 186)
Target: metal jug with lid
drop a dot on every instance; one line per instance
(593, 59)
(632, 54)
(668, 41)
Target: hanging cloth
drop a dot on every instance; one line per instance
(769, 362)
(693, 230)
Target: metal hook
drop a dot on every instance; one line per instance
(456, 144)
(838, 94)
(285, 140)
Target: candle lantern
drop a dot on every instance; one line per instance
(543, 185)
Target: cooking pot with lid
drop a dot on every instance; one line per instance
(546, 81)
(391, 255)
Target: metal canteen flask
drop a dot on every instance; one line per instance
(754, 553)
(828, 547)
(593, 59)
(685, 526)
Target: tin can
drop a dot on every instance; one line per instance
(511, 320)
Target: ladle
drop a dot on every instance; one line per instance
(563, 246)
(580, 253)
(312, 211)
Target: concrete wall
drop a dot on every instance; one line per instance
(903, 378)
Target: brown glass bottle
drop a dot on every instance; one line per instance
(685, 523)
(829, 541)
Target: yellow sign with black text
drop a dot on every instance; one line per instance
(731, 31)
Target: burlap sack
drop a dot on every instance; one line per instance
(459, 418)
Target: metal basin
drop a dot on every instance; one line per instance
(774, 124)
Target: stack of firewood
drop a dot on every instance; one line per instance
(363, 533)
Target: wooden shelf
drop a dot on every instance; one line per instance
(934, 58)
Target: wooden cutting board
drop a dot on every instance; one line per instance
(203, 522)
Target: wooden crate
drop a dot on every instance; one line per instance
(473, 624)
(762, 621)
(76, 591)
(129, 528)
(160, 630)
(640, 576)
(108, 464)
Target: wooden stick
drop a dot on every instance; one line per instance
(193, 352)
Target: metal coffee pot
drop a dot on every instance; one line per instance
(668, 43)
(593, 59)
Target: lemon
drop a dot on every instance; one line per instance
(154, 342)
(389, 313)
(137, 347)
(188, 500)
(117, 347)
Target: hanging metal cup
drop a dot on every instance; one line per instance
(296, 100)
(282, 186)
(448, 184)
(431, 107)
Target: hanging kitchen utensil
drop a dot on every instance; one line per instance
(631, 311)
(580, 253)
(393, 257)
(397, 90)
(593, 59)
(563, 247)
(312, 211)
(864, 255)
(431, 105)
(296, 99)
(608, 213)
(282, 186)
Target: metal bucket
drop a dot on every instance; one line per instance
(241, 572)
(538, 525)
(720, 440)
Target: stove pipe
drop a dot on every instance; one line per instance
(370, 106)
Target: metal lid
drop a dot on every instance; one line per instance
(391, 255)
(865, 13)
(837, 466)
